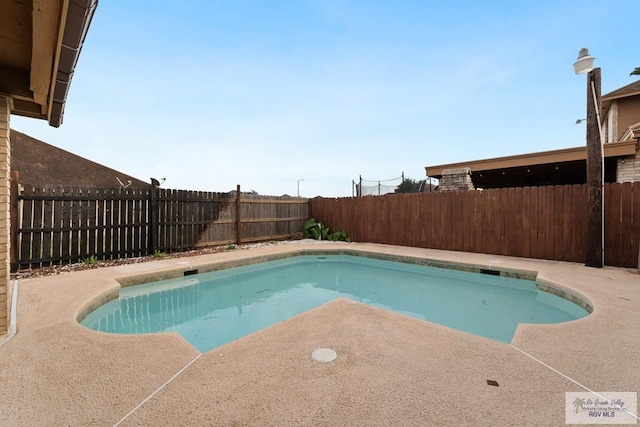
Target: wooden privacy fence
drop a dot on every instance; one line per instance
(535, 222)
(189, 219)
(60, 225)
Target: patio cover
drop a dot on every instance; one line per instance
(557, 167)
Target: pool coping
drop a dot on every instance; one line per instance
(532, 275)
(51, 354)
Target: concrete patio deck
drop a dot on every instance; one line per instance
(390, 370)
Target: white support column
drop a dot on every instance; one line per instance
(5, 222)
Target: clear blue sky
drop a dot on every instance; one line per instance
(209, 94)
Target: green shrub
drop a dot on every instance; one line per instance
(314, 229)
(159, 254)
(340, 236)
(92, 260)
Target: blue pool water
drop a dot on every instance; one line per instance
(215, 308)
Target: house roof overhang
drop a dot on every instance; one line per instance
(40, 42)
(628, 91)
(611, 150)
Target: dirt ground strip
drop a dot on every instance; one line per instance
(390, 370)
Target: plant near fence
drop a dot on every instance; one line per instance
(314, 229)
(92, 260)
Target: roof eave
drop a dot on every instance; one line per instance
(56, 32)
(615, 149)
(74, 31)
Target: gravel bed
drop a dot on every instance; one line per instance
(68, 268)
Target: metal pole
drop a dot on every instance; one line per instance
(299, 186)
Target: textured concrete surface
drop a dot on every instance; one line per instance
(390, 369)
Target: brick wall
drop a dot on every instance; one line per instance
(456, 180)
(5, 186)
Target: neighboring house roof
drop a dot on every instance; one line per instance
(630, 90)
(632, 132)
(39, 163)
(623, 92)
(565, 166)
(40, 42)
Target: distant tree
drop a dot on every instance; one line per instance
(635, 72)
(408, 185)
(253, 192)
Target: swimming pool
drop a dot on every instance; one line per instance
(215, 308)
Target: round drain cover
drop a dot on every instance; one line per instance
(324, 355)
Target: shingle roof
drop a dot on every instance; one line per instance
(39, 163)
(628, 90)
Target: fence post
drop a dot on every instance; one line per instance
(238, 217)
(152, 245)
(13, 213)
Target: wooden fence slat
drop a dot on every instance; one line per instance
(627, 252)
(556, 219)
(526, 222)
(83, 234)
(37, 223)
(91, 224)
(566, 224)
(47, 222)
(534, 203)
(495, 222)
(635, 192)
(100, 231)
(543, 223)
(56, 223)
(144, 207)
(582, 216)
(613, 221)
(175, 217)
(65, 224)
(550, 243)
(482, 239)
(26, 223)
(516, 221)
(110, 210)
(506, 216)
(504, 212)
(468, 213)
(129, 250)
